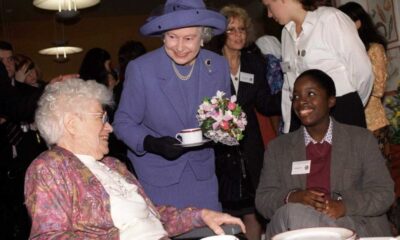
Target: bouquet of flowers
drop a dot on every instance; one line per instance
(222, 119)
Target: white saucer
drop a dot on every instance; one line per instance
(317, 233)
(193, 144)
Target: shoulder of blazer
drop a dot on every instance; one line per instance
(252, 62)
(209, 58)
(346, 131)
(150, 56)
(292, 139)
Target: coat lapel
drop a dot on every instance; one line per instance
(207, 69)
(169, 86)
(298, 153)
(339, 153)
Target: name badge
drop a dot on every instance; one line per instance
(247, 77)
(285, 66)
(301, 167)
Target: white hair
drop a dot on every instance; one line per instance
(66, 96)
(206, 34)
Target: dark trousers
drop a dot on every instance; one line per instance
(348, 110)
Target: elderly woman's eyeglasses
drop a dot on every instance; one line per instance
(235, 30)
(104, 116)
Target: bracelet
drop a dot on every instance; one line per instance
(288, 195)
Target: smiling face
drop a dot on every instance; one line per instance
(235, 34)
(182, 45)
(91, 132)
(32, 77)
(311, 103)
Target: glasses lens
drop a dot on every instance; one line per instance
(105, 118)
(235, 30)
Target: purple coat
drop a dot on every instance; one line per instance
(151, 104)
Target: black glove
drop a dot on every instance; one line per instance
(164, 146)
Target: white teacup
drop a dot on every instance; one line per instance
(221, 237)
(189, 136)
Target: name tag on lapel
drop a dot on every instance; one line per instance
(246, 77)
(301, 167)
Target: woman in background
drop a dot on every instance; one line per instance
(375, 44)
(271, 49)
(27, 70)
(238, 167)
(96, 65)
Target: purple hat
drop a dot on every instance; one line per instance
(184, 13)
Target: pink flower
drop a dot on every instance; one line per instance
(231, 105)
(224, 125)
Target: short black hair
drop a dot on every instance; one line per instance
(6, 46)
(93, 63)
(322, 79)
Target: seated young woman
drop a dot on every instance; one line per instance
(73, 192)
(325, 173)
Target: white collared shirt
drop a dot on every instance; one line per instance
(235, 80)
(329, 41)
(327, 138)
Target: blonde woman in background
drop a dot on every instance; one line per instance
(238, 167)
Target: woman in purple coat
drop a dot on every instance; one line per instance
(162, 92)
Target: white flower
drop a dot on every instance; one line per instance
(220, 94)
(217, 120)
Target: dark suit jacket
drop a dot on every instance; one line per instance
(358, 174)
(16, 106)
(252, 97)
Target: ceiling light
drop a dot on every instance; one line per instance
(60, 52)
(64, 5)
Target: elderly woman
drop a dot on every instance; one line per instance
(325, 173)
(73, 191)
(161, 95)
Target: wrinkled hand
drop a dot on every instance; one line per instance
(21, 74)
(334, 208)
(312, 198)
(215, 219)
(63, 77)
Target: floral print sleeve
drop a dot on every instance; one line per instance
(178, 221)
(47, 201)
(64, 201)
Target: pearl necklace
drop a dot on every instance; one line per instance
(180, 75)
